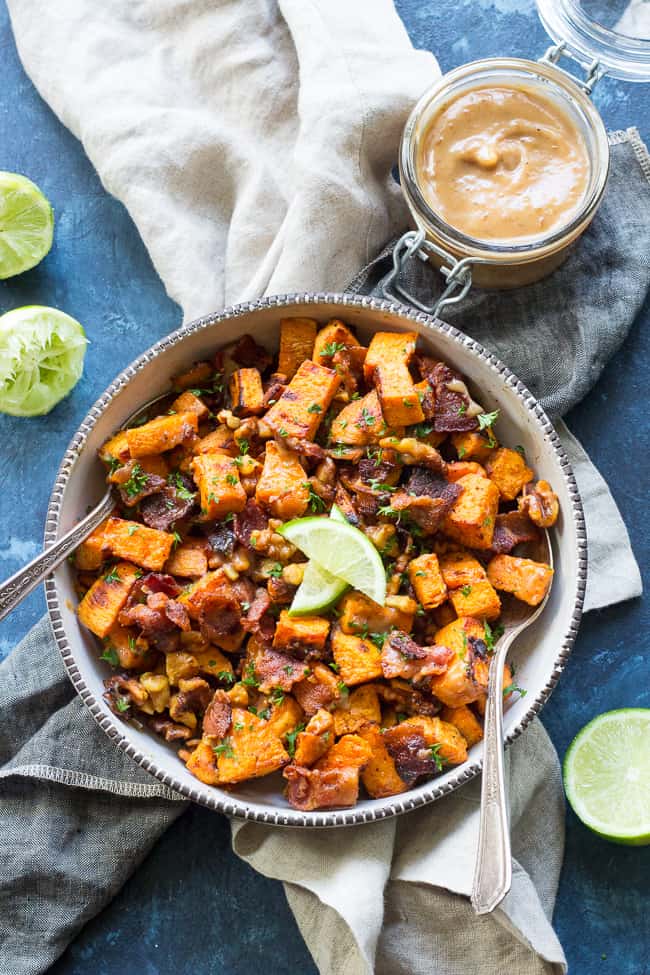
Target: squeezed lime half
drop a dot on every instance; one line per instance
(607, 775)
(41, 359)
(26, 224)
(341, 550)
(319, 589)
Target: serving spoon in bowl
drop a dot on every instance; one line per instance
(493, 871)
(19, 585)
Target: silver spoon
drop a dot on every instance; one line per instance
(19, 585)
(493, 871)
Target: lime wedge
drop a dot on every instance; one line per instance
(41, 358)
(26, 224)
(607, 776)
(319, 589)
(341, 550)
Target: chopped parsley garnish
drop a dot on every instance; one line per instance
(265, 714)
(136, 483)
(114, 463)
(332, 348)
(466, 590)
(377, 639)
(176, 481)
(315, 408)
(276, 571)
(376, 485)
(422, 429)
(462, 409)
(277, 696)
(334, 666)
(243, 446)
(225, 748)
(231, 479)
(225, 675)
(112, 576)
(409, 404)
(110, 656)
(283, 432)
(514, 688)
(177, 539)
(520, 450)
(132, 529)
(486, 420)
(122, 704)
(291, 739)
(437, 757)
(367, 418)
(461, 453)
(250, 678)
(492, 634)
(316, 503)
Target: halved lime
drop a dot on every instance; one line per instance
(26, 224)
(341, 550)
(319, 589)
(41, 358)
(607, 775)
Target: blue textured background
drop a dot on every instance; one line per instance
(193, 906)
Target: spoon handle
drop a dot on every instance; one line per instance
(493, 873)
(19, 585)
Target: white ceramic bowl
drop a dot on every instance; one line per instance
(540, 654)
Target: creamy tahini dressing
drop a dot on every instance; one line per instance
(502, 164)
(458, 386)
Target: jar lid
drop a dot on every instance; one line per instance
(616, 33)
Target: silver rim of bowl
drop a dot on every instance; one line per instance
(231, 805)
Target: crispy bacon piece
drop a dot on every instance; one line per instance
(275, 388)
(348, 363)
(381, 471)
(343, 500)
(427, 513)
(408, 699)
(410, 752)
(251, 519)
(510, 530)
(219, 616)
(169, 730)
(276, 669)
(163, 509)
(341, 452)
(249, 354)
(221, 537)
(258, 620)
(305, 448)
(177, 614)
(423, 482)
(312, 789)
(403, 657)
(280, 592)
(450, 406)
(147, 610)
(218, 715)
(195, 695)
(147, 483)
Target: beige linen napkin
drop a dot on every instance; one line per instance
(252, 142)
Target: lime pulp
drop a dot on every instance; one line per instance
(26, 224)
(41, 359)
(607, 775)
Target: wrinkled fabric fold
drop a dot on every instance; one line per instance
(252, 142)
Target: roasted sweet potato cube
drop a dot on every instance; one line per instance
(217, 477)
(131, 540)
(188, 402)
(199, 374)
(283, 488)
(310, 789)
(466, 721)
(509, 471)
(478, 599)
(219, 441)
(459, 468)
(202, 763)
(360, 614)
(246, 392)
(359, 423)
(252, 749)
(132, 652)
(472, 517)
(358, 660)
(300, 634)
(285, 716)
(92, 551)
(211, 584)
(350, 751)
(473, 445)
(115, 449)
(527, 580)
(427, 581)
(314, 741)
(357, 709)
(452, 747)
(297, 338)
(380, 776)
(466, 677)
(304, 402)
(105, 599)
(330, 338)
(189, 560)
(319, 689)
(163, 433)
(459, 568)
(386, 365)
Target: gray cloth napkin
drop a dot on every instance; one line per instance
(252, 143)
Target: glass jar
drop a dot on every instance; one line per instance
(598, 47)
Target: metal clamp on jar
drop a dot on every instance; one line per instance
(507, 256)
